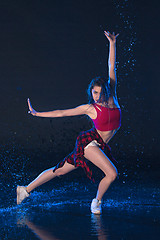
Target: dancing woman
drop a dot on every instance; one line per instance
(104, 110)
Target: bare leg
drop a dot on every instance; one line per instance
(98, 158)
(48, 174)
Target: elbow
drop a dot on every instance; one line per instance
(111, 67)
(60, 113)
(112, 71)
(55, 114)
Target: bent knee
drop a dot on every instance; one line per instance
(112, 175)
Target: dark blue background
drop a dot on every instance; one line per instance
(50, 50)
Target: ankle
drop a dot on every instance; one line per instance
(98, 199)
(27, 190)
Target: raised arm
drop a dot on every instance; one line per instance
(80, 110)
(112, 60)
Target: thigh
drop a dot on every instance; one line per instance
(99, 159)
(67, 167)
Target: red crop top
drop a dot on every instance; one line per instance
(107, 118)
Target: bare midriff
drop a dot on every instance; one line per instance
(107, 135)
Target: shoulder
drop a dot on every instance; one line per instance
(79, 110)
(86, 107)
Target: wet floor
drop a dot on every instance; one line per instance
(61, 210)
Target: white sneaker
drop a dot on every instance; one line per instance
(21, 194)
(96, 206)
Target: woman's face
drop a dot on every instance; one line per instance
(96, 92)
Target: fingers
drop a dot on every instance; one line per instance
(31, 110)
(111, 37)
(28, 101)
(107, 33)
(29, 105)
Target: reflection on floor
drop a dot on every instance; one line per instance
(130, 211)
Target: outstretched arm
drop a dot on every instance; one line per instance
(112, 60)
(80, 110)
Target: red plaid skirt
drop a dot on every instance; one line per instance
(77, 158)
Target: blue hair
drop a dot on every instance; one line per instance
(105, 89)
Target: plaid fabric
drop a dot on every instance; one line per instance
(77, 158)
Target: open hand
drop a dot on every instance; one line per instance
(111, 37)
(31, 110)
